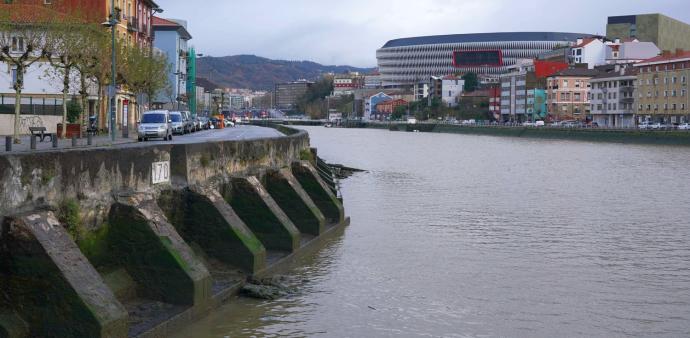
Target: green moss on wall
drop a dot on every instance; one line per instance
(258, 217)
(320, 197)
(41, 295)
(151, 262)
(69, 214)
(291, 203)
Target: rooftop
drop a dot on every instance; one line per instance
(165, 24)
(577, 72)
(486, 37)
(666, 57)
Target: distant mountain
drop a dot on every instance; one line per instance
(254, 72)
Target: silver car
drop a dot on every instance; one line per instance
(178, 123)
(155, 124)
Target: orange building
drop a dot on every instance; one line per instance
(388, 107)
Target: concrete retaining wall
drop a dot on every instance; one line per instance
(105, 243)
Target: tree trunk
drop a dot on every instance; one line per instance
(84, 118)
(65, 93)
(17, 111)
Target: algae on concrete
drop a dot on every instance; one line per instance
(257, 215)
(318, 192)
(304, 214)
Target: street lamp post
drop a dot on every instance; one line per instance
(113, 85)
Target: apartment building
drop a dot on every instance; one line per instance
(568, 94)
(662, 88)
(612, 97)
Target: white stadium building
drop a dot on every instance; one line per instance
(413, 60)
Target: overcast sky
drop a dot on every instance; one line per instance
(348, 32)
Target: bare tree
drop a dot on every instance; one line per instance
(68, 39)
(23, 42)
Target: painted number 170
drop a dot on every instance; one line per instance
(160, 172)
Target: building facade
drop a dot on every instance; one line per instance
(612, 97)
(662, 88)
(568, 94)
(171, 37)
(386, 108)
(370, 104)
(451, 88)
(409, 60)
(630, 51)
(590, 51)
(665, 32)
(133, 27)
(287, 94)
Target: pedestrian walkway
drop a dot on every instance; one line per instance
(97, 141)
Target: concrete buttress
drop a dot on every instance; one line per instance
(52, 284)
(295, 202)
(263, 216)
(319, 191)
(155, 255)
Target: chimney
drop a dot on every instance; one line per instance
(679, 51)
(665, 53)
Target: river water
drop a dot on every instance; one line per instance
(474, 236)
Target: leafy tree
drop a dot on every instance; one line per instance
(399, 112)
(74, 111)
(22, 44)
(471, 82)
(144, 72)
(312, 101)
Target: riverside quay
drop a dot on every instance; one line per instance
(140, 239)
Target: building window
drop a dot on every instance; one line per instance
(17, 44)
(615, 106)
(577, 97)
(656, 80)
(682, 92)
(673, 106)
(14, 77)
(565, 83)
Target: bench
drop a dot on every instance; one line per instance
(40, 132)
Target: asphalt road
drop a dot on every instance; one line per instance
(241, 132)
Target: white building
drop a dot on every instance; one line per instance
(372, 81)
(515, 92)
(451, 88)
(612, 97)
(630, 51)
(591, 51)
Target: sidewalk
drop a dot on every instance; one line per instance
(98, 141)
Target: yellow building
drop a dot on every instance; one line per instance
(661, 88)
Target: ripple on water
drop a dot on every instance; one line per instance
(471, 236)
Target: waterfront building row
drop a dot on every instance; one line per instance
(137, 25)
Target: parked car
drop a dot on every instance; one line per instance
(684, 126)
(197, 124)
(178, 124)
(650, 125)
(539, 123)
(155, 124)
(528, 124)
(229, 123)
(188, 123)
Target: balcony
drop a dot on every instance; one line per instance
(133, 24)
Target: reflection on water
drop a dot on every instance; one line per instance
(470, 236)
